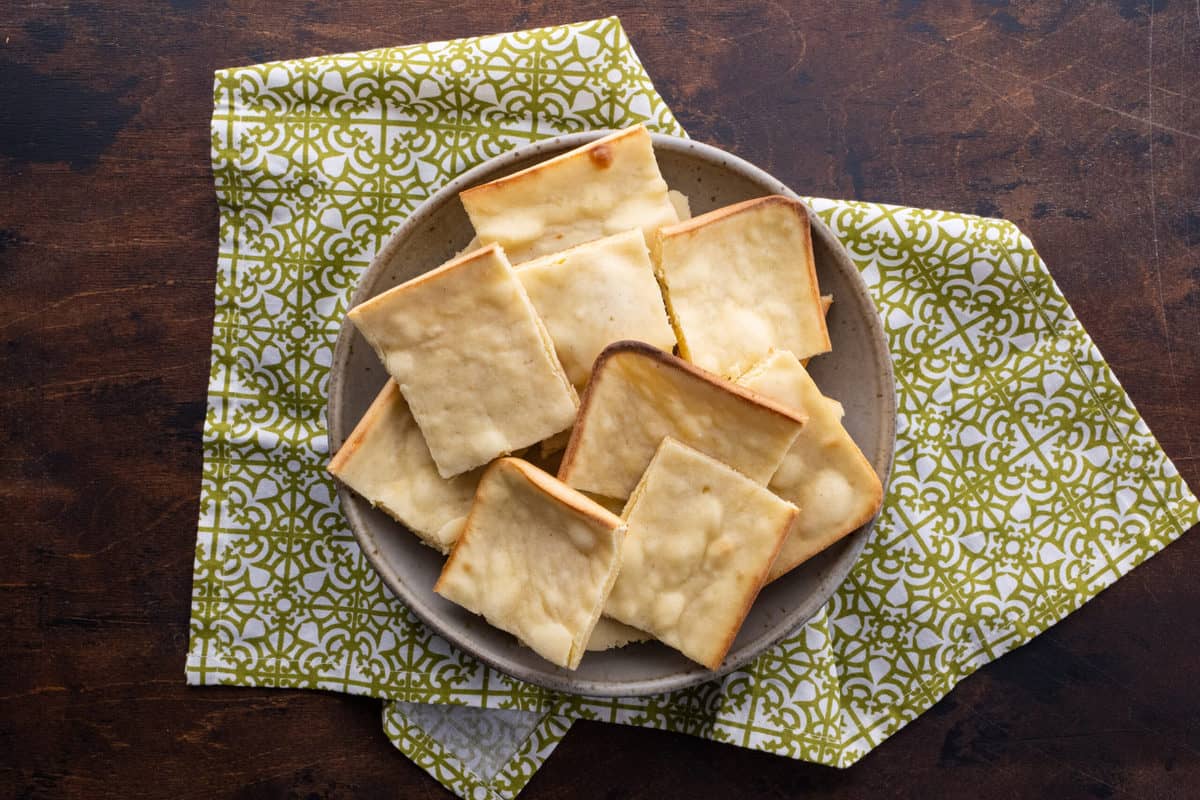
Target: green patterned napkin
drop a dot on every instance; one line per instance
(1024, 480)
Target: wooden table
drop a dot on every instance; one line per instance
(1081, 124)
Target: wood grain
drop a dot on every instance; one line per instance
(1079, 122)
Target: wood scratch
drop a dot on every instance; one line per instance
(973, 29)
(1118, 75)
(1007, 99)
(1150, 116)
(67, 388)
(141, 531)
(799, 41)
(1158, 285)
(34, 692)
(1056, 89)
(78, 296)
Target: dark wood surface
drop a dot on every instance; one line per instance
(1081, 123)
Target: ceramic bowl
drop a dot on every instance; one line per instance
(857, 372)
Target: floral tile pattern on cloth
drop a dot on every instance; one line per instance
(1024, 482)
(475, 752)
(316, 162)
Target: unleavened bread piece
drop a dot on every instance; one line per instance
(638, 394)
(536, 558)
(701, 539)
(740, 280)
(824, 472)
(385, 459)
(594, 294)
(472, 358)
(607, 186)
(610, 634)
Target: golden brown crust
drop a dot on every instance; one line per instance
(357, 436)
(454, 263)
(468, 524)
(828, 517)
(566, 251)
(668, 360)
(728, 211)
(762, 581)
(576, 501)
(826, 304)
(814, 288)
(855, 523)
(584, 151)
(690, 226)
(694, 568)
(468, 349)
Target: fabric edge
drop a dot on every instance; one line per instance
(435, 43)
(447, 769)
(1179, 525)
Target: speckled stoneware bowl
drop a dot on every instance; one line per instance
(858, 373)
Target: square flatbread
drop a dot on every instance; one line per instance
(824, 473)
(536, 559)
(638, 394)
(701, 538)
(741, 280)
(472, 359)
(605, 187)
(595, 294)
(386, 460)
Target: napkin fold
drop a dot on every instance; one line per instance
(1024, 479)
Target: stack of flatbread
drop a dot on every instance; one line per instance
(683, 482)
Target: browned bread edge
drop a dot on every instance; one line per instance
(665, 358)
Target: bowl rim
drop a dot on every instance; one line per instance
(414, 599)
